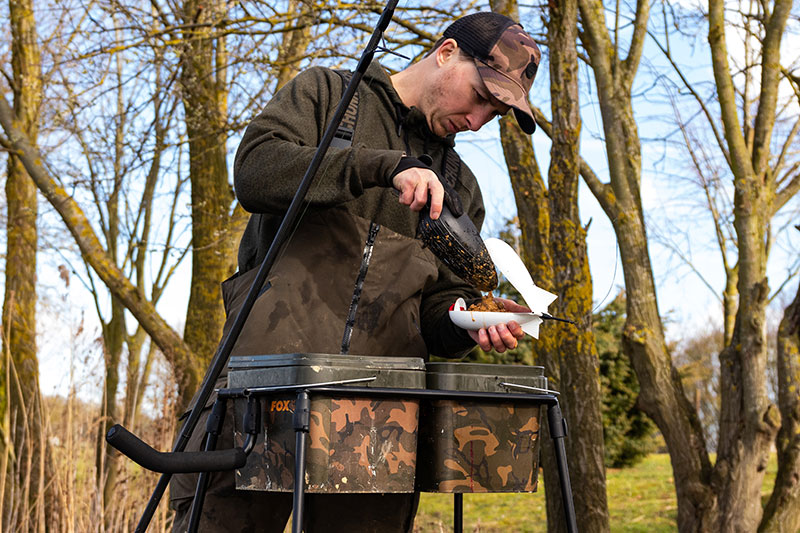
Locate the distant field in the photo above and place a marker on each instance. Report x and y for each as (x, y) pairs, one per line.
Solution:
(640, 499)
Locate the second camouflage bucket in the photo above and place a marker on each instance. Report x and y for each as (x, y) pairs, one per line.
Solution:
(479, 446)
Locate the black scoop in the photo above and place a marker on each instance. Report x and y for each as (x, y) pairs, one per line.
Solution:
(457, 244)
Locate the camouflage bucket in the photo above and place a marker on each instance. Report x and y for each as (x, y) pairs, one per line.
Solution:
(355, 444)
(473, 446)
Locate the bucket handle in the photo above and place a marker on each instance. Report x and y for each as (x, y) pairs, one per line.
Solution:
(528, 388)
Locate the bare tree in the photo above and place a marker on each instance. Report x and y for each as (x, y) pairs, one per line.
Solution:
(661, 394)
(748, 421)
(724, 497)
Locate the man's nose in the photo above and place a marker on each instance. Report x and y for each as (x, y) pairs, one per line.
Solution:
(478, 117)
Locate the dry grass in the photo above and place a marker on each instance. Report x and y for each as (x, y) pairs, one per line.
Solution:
(69, 498)
(76, 472)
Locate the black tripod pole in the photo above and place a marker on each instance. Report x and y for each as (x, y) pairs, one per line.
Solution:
(213, 429)
(289, 220)
(558, 430)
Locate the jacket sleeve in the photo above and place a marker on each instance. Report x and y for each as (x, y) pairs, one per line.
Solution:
(442, 337)
(279, 144)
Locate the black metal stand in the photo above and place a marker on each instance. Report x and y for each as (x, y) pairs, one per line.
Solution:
(555, 420)
(227, 460)
(458, 512)
(302, 419)
(558, 430)
(213, 428)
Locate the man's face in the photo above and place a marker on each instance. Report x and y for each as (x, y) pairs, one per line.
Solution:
(457, 99)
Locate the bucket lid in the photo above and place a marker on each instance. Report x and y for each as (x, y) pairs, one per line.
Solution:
(326, 360)
(482, 369)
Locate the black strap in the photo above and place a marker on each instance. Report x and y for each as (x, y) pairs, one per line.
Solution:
(347, 128)
(452, 166)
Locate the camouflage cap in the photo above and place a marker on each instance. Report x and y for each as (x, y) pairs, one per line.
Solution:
(507, 59)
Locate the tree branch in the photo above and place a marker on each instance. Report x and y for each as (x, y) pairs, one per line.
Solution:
(790, 140)
(768, 97)
(717, 135)
(595, 39)
(601, 191)
(740, 160)
(788, 191)
(631, 63)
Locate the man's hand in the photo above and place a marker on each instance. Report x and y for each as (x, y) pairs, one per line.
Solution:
(415, 184)
(503, 336)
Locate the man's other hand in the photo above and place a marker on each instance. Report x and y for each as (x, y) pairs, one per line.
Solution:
(415, 184)
(503, 336)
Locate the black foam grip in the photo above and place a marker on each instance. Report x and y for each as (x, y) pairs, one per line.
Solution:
(173, 462)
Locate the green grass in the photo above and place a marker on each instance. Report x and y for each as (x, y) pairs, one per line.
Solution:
(640, 499)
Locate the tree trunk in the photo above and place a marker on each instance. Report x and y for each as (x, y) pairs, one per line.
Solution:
(204, 86)
(114, 331)
(136, 376)
(106, 456)
(554, 248)
(19, 344)
(575, 348)
(136, 373)
(295, 42)
(661, 393)
(531, 197)
(27, 507)
(782, 513)
(533, 212)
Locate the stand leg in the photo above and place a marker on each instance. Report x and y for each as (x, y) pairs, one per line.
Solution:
(302, 415)
(458, 512)
(558, 430)
(213, 429)
(152, 504)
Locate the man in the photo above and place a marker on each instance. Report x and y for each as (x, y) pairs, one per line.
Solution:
(403, 140)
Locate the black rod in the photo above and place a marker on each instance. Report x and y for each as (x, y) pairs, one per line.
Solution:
(213, 428)
(287, 224)
(152, 503)
(558, 430)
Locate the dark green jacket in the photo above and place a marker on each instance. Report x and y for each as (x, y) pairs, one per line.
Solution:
(407, 292)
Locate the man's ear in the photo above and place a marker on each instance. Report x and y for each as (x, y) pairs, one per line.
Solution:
(447, 50)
